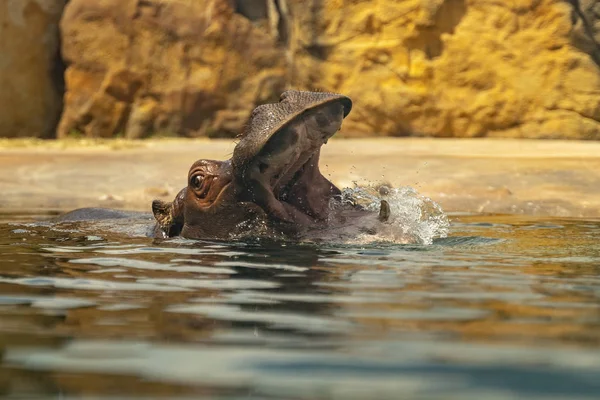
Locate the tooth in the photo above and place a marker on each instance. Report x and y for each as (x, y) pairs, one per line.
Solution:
(384, 211)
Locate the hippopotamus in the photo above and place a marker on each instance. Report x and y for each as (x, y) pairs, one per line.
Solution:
(271, 185)
(272, 181)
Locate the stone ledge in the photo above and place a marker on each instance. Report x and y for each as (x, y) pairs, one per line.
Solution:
(554, 178)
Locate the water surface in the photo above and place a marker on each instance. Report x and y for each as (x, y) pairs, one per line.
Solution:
(504, 307)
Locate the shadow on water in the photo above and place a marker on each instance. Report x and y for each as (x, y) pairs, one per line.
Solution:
(503, 306)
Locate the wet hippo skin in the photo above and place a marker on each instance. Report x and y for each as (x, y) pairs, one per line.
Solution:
(86, 214)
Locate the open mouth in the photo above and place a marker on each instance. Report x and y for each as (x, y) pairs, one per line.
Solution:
(283, 177)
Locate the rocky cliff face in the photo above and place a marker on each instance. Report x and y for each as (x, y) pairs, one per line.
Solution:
(447, 68)
(30, 69)
(137, 67)
(462, 68)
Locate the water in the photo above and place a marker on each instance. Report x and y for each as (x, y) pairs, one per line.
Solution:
(503, 307)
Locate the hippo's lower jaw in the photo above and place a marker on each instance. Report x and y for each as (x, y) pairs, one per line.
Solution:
(302, 200)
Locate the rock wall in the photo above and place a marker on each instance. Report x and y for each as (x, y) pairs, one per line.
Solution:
(460, 68)
(30, 69)
(445, 68)
(140, 67)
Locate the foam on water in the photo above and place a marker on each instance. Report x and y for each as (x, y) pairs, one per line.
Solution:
(413, 218)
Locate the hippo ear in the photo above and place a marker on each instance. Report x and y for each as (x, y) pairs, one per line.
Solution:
(162, 212)
(169, 216)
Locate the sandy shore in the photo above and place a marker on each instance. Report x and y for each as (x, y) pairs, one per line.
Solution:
(557, 178)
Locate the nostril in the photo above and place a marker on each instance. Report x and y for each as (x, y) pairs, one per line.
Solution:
(262, 167)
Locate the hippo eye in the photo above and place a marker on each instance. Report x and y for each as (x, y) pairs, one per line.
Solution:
(196, 181)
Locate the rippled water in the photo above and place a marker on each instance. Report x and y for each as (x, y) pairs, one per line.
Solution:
(504, 307)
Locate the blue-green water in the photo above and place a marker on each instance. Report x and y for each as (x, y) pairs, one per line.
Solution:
(504, 307)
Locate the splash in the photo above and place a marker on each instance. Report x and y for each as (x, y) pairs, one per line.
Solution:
(413, 218)
(353, 220)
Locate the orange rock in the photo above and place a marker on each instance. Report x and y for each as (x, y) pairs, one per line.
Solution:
(444, 68)
(451, 68)
(138, 68)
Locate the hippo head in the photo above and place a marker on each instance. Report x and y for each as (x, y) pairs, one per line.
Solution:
(273, 177)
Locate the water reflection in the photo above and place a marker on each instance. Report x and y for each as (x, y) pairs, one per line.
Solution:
(504, 306)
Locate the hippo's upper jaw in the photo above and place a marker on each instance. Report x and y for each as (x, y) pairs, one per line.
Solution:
(273, 177)
(283, 177)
